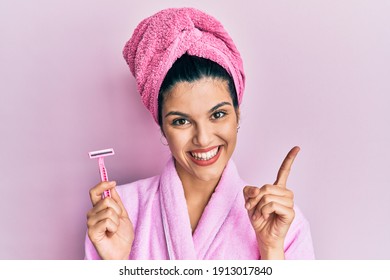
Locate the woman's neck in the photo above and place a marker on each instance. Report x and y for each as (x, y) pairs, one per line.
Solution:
(197, 193)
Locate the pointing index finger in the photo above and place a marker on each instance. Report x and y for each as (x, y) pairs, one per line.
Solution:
(285, 168)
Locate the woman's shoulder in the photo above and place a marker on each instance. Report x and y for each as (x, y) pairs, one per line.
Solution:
(139, 187)
(300, 219)
(138, 195)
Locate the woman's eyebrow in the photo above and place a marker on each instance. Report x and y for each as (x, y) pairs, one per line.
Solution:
(176, 113)
(219, 105)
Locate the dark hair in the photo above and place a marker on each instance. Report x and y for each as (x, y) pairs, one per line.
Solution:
(190, 68)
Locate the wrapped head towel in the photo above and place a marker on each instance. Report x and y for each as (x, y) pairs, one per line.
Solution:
(159, 40)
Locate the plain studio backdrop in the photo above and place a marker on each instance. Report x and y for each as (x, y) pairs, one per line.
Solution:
(318, 76)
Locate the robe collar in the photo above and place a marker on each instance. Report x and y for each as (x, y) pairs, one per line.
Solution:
(180, 241)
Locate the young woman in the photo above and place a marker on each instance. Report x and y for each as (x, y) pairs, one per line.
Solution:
(190, 77)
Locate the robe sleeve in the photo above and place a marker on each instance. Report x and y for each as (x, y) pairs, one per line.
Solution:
(298, 243)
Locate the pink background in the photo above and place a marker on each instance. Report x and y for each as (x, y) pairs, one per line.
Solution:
(318, 76)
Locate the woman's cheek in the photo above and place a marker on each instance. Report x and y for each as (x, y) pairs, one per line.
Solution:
(229, 131)
(177, 141)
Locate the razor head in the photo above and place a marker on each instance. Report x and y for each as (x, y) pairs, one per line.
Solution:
(101, 153)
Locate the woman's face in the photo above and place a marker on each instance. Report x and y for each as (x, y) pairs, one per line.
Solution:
(200, 124)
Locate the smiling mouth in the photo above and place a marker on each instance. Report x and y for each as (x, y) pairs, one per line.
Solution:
(206, 155)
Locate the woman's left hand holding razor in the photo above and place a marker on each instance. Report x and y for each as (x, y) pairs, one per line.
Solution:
(109, 226)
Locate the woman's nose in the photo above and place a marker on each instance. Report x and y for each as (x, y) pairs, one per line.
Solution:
(202, 136)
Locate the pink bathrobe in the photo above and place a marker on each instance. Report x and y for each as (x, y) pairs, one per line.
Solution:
(158, 211)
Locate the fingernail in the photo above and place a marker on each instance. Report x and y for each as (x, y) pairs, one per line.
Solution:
(247, 205)
(254, 217)
(112, 183)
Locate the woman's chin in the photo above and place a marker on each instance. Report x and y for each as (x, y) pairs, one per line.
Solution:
(200, 171)
(209, 173)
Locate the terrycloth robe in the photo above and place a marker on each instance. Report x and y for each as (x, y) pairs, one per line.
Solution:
(162, 229)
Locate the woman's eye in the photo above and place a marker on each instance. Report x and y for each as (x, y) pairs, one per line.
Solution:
(218, 115)
(179, 122)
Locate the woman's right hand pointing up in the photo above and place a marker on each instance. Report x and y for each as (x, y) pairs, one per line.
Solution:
(271, 210)
(109, 226)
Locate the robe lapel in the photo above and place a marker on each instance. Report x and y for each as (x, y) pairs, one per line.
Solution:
(217, 210)
(174, 212)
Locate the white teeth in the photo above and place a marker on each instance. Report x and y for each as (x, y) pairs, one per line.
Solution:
(205, 156)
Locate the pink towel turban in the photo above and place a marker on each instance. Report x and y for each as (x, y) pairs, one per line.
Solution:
(159, 40)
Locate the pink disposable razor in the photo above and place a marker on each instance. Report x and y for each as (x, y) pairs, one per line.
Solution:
(102, 168)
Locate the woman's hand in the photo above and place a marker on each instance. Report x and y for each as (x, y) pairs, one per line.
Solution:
(109, 226)
(270, 210)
